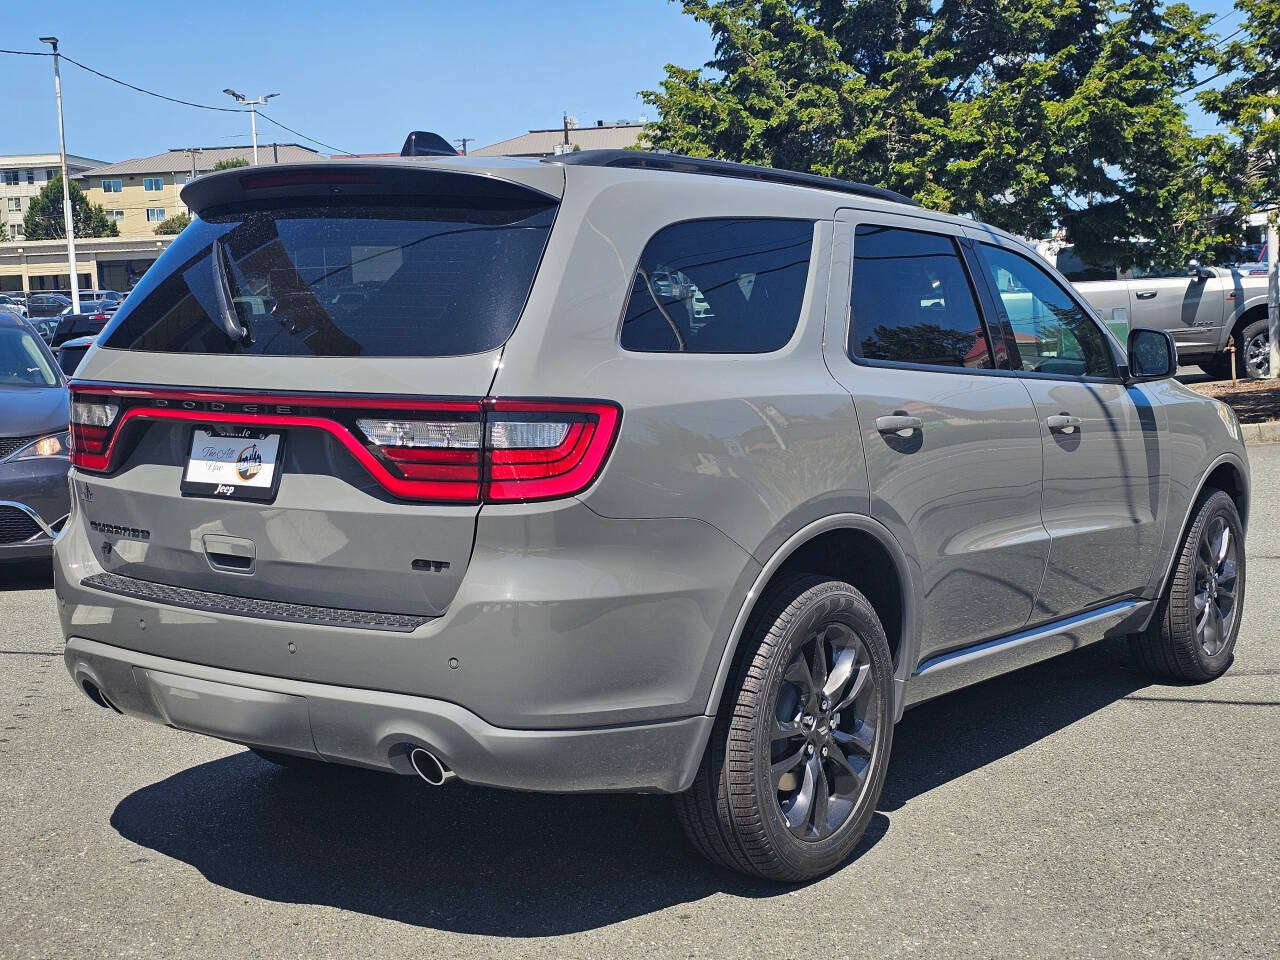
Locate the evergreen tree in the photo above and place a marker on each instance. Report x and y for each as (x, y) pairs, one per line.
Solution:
(45, 221)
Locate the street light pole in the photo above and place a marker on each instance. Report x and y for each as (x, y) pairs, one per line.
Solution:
(253, 105)
(67, 218)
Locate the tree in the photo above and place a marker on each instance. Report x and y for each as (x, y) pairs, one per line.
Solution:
(175, 224)
(4, 233)
(1249, 157)
(230, 163)
(45, 221)
(1031, 115)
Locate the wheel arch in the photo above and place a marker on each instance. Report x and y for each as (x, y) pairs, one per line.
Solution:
(1226, 473)
(1247, 314)
(850, 547)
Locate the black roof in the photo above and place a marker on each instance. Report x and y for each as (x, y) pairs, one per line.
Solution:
(677, 163)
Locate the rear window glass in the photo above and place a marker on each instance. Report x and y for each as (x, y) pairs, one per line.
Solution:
(719, 286)
(341, 281)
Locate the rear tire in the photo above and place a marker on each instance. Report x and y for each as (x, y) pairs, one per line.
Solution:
(797, 757)
(1193, 634)
(1253, 345)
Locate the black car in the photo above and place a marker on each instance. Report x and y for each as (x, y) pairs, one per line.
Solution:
(34, 411)
(72, 352)
(46, 304)
(93, 316)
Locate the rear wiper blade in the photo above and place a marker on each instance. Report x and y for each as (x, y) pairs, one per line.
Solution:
(226, 318)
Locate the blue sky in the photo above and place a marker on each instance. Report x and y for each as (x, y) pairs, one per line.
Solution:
(358, 76)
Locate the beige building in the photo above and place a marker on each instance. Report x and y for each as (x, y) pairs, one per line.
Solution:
(22, 176)
(563, 139)
(140, 194)
(103, 263)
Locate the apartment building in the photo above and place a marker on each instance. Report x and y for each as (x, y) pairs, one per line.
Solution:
(23, 175)
(142, 193)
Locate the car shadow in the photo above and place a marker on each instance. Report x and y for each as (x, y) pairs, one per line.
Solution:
(490, 862)
(26, 575)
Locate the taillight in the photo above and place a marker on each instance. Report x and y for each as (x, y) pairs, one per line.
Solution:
(441, 456)
(91, 429)
(543, 450)
(97, 316)
(450, 451)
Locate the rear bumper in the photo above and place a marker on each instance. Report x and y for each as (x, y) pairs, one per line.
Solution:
(375, 729)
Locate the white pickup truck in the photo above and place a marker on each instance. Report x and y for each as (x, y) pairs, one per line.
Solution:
(1205, 308)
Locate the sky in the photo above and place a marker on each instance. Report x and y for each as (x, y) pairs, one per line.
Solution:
(484, 69)
(359, 76)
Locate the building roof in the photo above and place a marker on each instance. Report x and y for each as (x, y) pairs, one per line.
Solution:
(46, 160)
(542, 143)
(179, 161)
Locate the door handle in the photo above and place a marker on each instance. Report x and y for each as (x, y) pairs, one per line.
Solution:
(898, 424)
(1063, 423)
(1145, 294)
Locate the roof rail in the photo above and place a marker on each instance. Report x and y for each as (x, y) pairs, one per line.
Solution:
(677, 163)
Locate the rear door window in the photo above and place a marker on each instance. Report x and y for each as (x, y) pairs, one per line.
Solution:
(341, 281)
(912, 301)
(719, 286)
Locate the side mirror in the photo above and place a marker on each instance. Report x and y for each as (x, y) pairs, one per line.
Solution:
(1194, 269)
(1152, 355)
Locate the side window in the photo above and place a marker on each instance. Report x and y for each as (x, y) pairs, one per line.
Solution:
(1051, 333)
(912, 301)
(719, 286)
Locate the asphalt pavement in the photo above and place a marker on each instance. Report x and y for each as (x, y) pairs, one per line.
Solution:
(1071, 809)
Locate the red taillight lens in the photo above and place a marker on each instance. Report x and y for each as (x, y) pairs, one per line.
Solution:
(92, 424)
(544, 450)
(448, 451)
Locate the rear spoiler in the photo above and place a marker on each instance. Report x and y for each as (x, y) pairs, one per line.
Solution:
(348, 178)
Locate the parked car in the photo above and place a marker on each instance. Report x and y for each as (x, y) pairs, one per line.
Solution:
(34, 501)
(72, 352)
(14, 303)
(112, 295)
(1206, 309)
(93, 316)
(537, 528)
(40, 305)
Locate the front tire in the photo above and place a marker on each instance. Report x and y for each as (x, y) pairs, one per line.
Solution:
(1253, 350)
(1193, 634)
(797, 758)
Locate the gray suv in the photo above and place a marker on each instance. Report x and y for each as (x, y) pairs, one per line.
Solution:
(622, 472)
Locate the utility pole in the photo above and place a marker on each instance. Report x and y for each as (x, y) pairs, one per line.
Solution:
(1273, 278)
(191, 152)
(463, 141)
(253, 105)
(68, 219)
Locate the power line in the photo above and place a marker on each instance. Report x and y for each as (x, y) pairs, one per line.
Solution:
(296, 133)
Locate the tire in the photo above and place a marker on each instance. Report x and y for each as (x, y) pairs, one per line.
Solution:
(1191, 638)
(1252, 336)
(736, 813)
(1219, 368)
(288, 761)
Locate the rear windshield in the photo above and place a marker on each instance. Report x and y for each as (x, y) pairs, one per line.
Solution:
(340, 281)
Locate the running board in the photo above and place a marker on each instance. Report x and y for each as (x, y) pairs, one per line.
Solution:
(968, 665)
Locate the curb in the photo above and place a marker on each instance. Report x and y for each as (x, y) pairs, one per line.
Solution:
(1266, 432)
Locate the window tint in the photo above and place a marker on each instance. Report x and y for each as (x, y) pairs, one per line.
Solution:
(912, 301)
(719, 286)
(1051, 333)
(342, 281)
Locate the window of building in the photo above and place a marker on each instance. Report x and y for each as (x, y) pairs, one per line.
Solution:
(15, 204)
(115, 216)
(719, 286)
(9, 177)
(912, 301)
(155, 214)
(50, 174)
(15, 230)
(112, 186)
(1051, 332)
(31, 176)
(152, 183)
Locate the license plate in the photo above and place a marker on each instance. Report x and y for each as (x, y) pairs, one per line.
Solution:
(238, 464)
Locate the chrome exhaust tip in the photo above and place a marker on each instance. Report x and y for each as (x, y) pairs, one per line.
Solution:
(429, 767)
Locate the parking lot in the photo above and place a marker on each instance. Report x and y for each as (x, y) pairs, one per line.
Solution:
(1071, 809)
